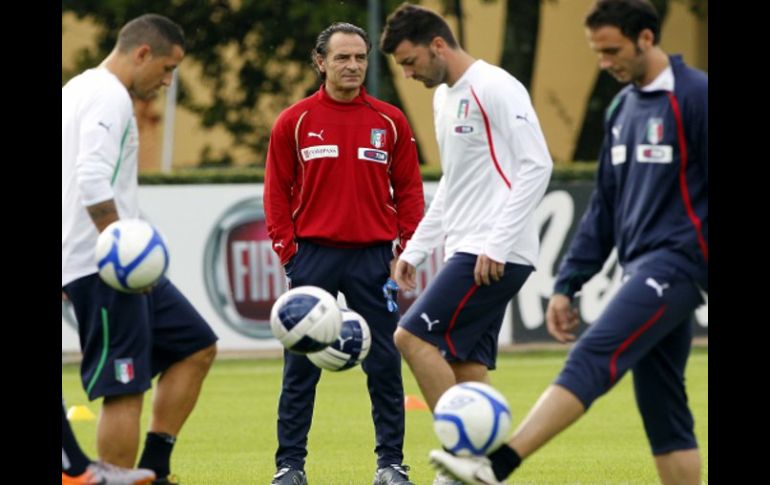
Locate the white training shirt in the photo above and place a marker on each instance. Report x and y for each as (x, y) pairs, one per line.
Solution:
(99, 158)
(496, 167)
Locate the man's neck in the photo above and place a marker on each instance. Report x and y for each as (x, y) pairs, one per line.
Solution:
(657, 62)
(458, 61)
(343, 96)
(118, 66)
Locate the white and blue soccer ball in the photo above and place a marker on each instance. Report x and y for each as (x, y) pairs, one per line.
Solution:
(350, 348)
(306, 319)
(472, 419)
(131, 255)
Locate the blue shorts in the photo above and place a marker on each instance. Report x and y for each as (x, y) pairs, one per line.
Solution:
(645, 328)
(128, 338)
(461, 318)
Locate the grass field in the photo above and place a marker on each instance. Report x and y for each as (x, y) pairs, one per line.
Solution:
(230, 437)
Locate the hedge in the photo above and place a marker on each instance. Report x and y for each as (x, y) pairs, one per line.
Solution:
(250, 175)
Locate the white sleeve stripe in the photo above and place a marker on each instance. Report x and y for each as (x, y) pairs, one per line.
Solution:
(302, 165)
(392, 124)
(296, 133)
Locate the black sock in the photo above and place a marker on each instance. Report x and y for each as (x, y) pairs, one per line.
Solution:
(73, 460)
(157, 453)
(504, 461)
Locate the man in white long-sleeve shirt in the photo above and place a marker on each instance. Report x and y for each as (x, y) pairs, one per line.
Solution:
(496, 168)
(126, 339)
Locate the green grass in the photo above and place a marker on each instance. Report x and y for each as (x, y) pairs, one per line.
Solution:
(230, 437)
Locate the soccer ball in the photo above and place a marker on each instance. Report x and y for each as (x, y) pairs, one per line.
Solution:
(472, 418)
(306, 319)
(131, 255)
(350, 348)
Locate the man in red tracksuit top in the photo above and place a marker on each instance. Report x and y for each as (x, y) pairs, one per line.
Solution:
(342, 185)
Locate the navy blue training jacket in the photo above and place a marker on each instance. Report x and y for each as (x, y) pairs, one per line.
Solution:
(651, 195)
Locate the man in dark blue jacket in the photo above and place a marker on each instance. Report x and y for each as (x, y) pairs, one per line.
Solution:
(651, 203)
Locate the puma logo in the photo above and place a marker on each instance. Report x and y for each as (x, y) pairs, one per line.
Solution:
(656, 286)
(616, 131)
(427, 319)
(319, 135)
(342, 341)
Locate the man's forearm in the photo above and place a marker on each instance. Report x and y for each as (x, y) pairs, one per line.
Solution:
(103, 214)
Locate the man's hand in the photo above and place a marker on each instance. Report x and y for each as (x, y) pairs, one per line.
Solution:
(487, 270)
(405, 275)
(561, 318)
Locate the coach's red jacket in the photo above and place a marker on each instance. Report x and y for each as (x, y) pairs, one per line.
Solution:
(341, 174)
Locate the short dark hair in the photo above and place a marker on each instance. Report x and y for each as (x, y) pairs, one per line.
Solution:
(157, 31)
(630, 16)
(322, 41)
(418, 25)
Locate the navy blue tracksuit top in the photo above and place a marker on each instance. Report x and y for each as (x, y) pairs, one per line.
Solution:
(651, 195)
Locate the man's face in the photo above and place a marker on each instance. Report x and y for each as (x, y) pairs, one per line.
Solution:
(623, 58)
(154, 71)
(345, 62)
(421, 63)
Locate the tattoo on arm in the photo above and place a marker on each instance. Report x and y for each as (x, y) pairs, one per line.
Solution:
(103, 214)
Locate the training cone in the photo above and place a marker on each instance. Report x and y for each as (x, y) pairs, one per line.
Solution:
(412, 403)
(80, 413)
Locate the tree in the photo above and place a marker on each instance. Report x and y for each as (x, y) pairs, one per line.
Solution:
(522, 23)
(245, 50)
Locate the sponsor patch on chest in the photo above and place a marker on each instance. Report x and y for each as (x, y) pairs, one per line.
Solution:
(654, 153)
(372, 155)
(320, 151)
(618, 154)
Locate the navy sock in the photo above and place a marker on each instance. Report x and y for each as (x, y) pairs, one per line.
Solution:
(504, 461)
(157, 453)
(73, 460)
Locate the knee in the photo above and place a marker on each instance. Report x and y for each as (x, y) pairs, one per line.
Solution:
(130, 404)
(204, 357)
(404, 341)
(679, 466)
(587, 375)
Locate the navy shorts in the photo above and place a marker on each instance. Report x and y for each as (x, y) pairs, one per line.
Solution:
(127, 338)
(461, 318)
(646, 328)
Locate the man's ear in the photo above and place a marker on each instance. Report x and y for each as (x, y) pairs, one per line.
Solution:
(438, 42)
(319, 62)
(646, 39)
(141, 53)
